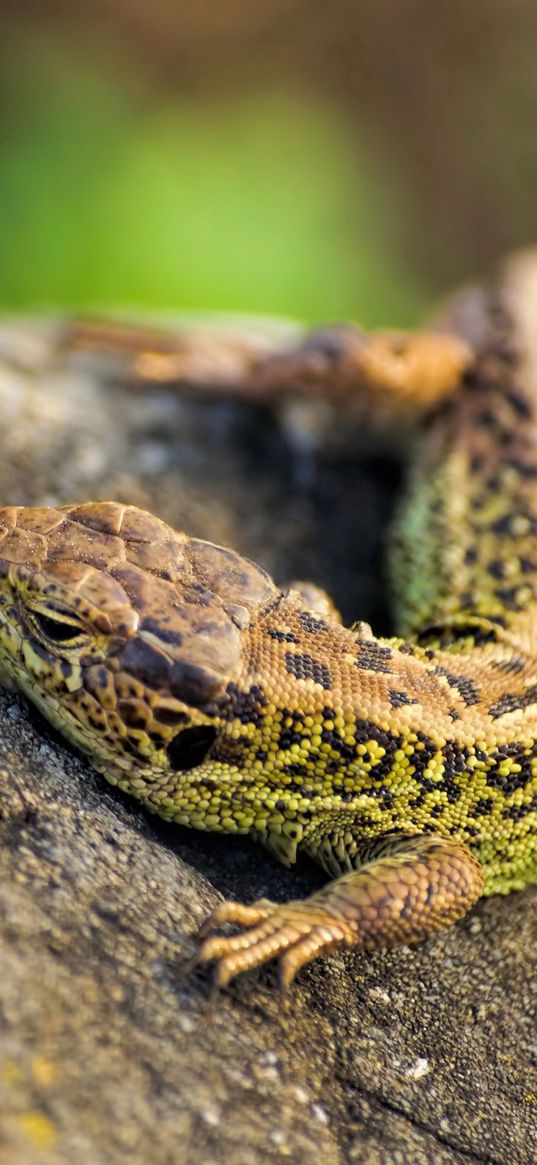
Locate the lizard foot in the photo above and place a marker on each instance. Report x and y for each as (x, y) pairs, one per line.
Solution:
(294, 932)
(409, 889)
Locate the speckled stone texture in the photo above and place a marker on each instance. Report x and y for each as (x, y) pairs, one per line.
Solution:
(108, 1052)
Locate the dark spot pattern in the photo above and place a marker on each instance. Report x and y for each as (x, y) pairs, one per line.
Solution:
(513, 598)
(517, 402)
(518, 812)
(512, 666)
(133, 713)
(311, 623)
(463, 684)
(516, 779)
(506, 526)
(374, 657)
(483, 807)
(247, 707)
(303, 666)
(290, 731)
(399, 699)
(496, 568)
(164, 714)
(282, 636)
(512, 702)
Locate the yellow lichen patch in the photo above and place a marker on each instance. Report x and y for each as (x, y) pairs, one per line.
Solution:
(10, 1072)
(37, 1128)
(43, 1071)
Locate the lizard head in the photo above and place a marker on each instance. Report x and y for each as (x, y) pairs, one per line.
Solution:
(126, 634)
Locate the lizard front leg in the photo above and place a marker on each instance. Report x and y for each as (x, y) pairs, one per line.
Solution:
(414, 888)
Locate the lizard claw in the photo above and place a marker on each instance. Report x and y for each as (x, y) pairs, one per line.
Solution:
(294, 932)
(236, 912)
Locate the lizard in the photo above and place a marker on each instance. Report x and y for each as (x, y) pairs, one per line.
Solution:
(405, 765)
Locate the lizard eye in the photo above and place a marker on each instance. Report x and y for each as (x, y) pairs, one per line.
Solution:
(58, 630)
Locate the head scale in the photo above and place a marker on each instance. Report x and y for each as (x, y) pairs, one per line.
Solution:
(123, 631)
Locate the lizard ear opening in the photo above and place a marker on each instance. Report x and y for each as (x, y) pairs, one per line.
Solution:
(189, 748)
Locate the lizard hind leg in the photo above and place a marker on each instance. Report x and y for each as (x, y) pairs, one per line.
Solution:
(415, 887)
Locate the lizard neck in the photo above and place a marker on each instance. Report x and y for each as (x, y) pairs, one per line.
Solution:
(328, 726)
(328, 709)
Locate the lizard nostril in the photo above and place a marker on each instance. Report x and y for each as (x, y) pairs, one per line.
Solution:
(190, 747)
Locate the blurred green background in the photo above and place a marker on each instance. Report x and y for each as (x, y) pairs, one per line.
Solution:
(321, 161)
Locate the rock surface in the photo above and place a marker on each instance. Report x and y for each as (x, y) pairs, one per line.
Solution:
(108, 1052)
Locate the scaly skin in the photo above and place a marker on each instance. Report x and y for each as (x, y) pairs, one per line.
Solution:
(406, 766)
